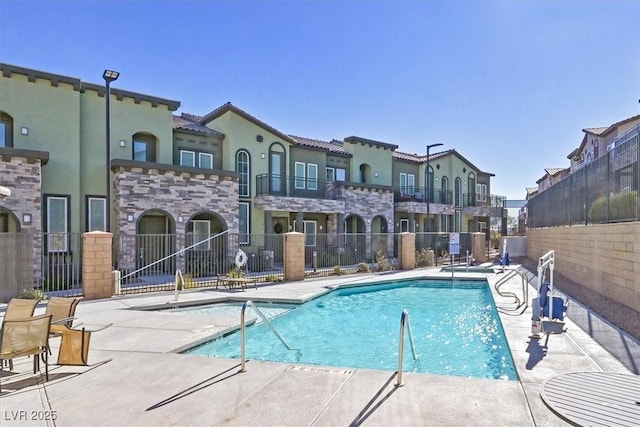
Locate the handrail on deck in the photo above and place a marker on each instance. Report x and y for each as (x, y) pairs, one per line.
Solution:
(242, 332)
(404, 319)
(525, 287)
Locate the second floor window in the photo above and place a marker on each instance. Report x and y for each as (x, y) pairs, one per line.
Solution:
(196, 159)
(306, 176)
(407, 184)
(242, 167)
(481, 192)
(144, 148)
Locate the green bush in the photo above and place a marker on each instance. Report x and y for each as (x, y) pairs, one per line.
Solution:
(621, 206)
(338, 271)
(33, 294)
(363, 267)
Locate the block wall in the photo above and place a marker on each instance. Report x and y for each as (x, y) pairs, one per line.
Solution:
(604, 258)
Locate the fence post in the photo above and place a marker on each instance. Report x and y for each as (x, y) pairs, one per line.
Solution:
(96, 265)
(294, 256)
(407, 250)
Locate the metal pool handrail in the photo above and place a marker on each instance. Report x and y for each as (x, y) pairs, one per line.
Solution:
(404, 319)
(242, 332)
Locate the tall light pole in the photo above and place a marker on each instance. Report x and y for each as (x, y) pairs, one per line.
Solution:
(429, 190)
(108, 76)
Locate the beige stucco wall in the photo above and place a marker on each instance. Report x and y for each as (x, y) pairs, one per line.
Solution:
(604, 258)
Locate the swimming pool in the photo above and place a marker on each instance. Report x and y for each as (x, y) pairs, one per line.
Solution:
(456, 331)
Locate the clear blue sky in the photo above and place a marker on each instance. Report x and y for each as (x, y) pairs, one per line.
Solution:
(509, 84)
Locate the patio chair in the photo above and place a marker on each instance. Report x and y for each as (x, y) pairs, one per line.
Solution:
(62, 311)
(26, 337)
(19, 308)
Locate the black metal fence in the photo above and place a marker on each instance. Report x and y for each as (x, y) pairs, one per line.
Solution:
(601, 191)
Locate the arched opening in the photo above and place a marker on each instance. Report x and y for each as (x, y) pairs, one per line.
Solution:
(6, 130)
(206, 254)
(458, 192)
(379, 236)
(445, 197)
(471, 189)
(155, 240)
(366, 174)
(144, 147)
(9, 222)
(355, 239)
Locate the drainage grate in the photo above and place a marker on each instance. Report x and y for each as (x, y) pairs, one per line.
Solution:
(322, 369)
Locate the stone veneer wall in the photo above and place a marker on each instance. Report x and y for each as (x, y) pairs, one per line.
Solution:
(24, 177)
(602, 257)
(178, 193)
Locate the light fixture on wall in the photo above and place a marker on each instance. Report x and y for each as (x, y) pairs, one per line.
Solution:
(130, 218)
(259, 138)
(123, 143)
(263, 156)
(26, 218)
(24, 130)
(375, 174)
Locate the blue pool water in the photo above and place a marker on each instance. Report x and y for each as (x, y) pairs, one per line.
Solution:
(456, 331)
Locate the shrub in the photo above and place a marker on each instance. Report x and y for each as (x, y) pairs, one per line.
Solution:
(621, 206)
(33, 294)
(363, 267)
(382, 262)
(425, 258)
(338, 271)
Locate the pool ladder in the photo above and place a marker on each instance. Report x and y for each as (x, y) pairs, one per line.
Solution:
(404, 319)
(524, 277)
(242, 332)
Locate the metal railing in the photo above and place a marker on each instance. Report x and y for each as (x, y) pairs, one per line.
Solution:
(525, 279)
(404, 319)
(243, 359)
(292, 186)
(604, 190)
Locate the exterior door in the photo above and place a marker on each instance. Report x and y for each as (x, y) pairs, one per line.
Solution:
(277, 184)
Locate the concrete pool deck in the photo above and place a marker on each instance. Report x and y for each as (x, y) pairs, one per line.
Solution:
(136, 378)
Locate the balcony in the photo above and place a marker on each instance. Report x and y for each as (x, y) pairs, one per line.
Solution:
(287, 186)
(419, 194)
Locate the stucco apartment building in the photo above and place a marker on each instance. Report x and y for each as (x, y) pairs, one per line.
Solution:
(191, 175)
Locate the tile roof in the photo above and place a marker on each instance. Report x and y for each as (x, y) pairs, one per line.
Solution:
(595, 131)
(554, 171)
(358, 139)
(187, 123)
(421, 158)
(331, 146)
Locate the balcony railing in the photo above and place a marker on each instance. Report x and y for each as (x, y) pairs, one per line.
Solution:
(288, 186)
(419, 194)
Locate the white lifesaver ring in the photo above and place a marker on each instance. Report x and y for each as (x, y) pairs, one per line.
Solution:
(241, 258)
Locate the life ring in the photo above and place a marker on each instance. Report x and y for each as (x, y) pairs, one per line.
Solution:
(241, 258)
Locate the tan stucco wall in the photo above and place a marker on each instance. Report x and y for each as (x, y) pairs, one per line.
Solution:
(604, 258)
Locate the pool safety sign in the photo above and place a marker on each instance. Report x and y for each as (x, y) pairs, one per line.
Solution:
(454, 243)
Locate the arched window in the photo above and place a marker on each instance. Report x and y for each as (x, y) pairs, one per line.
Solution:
(471, 188)
(243, 167)
(444, 191)
(144, 147)
(458, 192)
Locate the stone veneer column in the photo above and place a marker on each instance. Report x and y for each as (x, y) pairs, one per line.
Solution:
(407, 251)
(294, 256)
(96, 264)
(478, 247)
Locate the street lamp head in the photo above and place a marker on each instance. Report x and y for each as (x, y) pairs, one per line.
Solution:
(110, 75)
(438, 144)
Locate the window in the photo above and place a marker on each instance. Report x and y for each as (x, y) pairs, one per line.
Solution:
(242, 167)
(57, 222)
(444, 185)
(312, 176)
(6, 130)
(205, 160)
(96, 214)
(4, 222)
(458, 195)
(404, 225)
(144, 148)
(407, 184)
(444, 223)
(300, 175)
(201, 233)
(187, 158)
(331, 174)
(481, 192)
(341, 174)
(457, 221)
(243, 226)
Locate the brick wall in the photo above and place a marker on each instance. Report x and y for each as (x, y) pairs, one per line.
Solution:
(604, 258)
